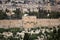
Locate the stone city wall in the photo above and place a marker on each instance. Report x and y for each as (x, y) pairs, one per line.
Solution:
(10, 23)
(19, 23)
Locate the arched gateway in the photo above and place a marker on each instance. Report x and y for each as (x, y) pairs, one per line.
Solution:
(29, 21)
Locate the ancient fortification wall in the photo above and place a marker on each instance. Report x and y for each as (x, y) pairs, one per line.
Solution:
(10, 23)
(18, 23)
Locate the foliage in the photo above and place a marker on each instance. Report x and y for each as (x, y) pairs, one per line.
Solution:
(18, 13)
(51, 35)
(14, 30)
(2, 30)
(33, 37)
(3, 15)
(54, 14)
(40, 14)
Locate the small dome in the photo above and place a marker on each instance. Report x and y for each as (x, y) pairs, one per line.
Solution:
(25, 14)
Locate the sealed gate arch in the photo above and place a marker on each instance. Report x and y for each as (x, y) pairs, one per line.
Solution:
(29, 21)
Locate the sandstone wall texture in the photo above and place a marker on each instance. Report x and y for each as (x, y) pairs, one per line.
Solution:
(48, 22)
(21, 23)
(10, 23)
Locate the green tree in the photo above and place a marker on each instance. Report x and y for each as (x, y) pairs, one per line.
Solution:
(54, 14)
(40, 13)
(18, 14)
(3, 15)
